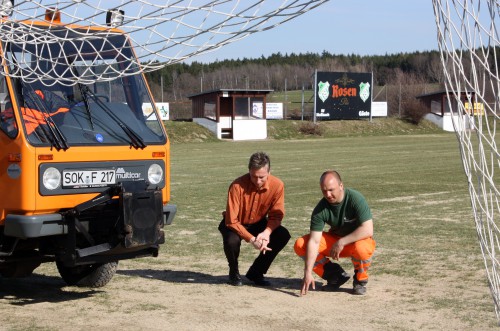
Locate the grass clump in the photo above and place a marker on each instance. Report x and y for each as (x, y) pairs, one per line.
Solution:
(310, 128)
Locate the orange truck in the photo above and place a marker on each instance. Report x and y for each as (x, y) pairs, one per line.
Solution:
(84, 166)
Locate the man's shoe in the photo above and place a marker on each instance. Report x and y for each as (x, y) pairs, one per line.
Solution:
(258, 280)
(235, 279)
(359, 289)
(334, 286)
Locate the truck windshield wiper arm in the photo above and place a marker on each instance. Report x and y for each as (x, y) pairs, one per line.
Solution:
(83, 92)
(135, 140)
(51, 130)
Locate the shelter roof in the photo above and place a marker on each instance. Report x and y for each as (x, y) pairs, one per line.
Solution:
(232, 91)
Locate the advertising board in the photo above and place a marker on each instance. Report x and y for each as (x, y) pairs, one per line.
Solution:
(343, 95)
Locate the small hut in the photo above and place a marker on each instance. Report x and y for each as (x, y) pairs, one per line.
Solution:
(237, 114)
(440, 112)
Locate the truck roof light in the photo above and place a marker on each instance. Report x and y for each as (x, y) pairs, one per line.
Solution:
(6, 8)
(114, 17)
(53, 15)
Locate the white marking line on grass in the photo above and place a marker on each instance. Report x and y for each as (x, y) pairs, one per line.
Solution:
(412, 197)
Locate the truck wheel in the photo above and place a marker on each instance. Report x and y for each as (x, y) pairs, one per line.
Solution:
(89, 275)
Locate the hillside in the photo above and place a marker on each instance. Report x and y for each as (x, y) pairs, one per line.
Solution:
(184, 132)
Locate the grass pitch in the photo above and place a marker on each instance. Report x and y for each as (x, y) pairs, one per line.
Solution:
(414, 184)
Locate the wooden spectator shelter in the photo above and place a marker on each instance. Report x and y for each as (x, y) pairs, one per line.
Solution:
(439, 107)
(237, 114)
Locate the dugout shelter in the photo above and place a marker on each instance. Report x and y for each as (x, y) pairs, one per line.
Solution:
(439, 106)
(237, 114)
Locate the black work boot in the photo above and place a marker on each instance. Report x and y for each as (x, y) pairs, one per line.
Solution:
(335, 276)
(358, 287)
(257, 278)
(234, 277)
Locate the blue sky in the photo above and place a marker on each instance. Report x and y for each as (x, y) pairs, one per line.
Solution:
(364, 27)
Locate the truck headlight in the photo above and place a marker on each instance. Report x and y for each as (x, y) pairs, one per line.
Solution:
(51, 178)
(155, 174)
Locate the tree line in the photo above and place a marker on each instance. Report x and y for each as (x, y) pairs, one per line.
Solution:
(402, 75)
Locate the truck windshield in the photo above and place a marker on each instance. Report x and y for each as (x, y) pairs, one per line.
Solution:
(105, 111)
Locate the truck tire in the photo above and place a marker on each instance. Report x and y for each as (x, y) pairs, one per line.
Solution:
(89, 275)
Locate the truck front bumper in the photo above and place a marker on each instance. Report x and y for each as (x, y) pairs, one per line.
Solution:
(24, 227)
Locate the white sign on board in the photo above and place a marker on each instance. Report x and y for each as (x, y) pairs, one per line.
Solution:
(163, 109)
(274, 110)
(379, 109)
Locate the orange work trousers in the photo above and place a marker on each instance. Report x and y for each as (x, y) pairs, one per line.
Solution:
(360, 252)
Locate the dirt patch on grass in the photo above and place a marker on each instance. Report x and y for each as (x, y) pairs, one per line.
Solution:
(161, 294)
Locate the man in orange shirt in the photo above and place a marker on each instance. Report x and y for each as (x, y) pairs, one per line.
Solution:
(39, 106)
(254, 211)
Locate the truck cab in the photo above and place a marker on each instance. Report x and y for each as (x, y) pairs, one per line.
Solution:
(84, 156)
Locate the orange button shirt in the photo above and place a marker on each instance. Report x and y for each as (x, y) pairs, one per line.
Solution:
(246, 204)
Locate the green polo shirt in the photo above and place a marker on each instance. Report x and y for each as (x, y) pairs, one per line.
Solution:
(344, 217)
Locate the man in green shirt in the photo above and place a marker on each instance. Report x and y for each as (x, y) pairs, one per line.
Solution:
(351, 230)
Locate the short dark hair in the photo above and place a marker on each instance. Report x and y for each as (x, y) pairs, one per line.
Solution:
(330, 172)
(259, 160)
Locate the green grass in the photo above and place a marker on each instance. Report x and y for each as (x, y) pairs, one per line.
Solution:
(186, 132)
(411, 175)
(414, 183)
(294, 96)
(181, 132)
(332, 129)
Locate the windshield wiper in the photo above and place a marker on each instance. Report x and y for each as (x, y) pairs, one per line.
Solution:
(51, 130)
(135, 140)
(81, 87)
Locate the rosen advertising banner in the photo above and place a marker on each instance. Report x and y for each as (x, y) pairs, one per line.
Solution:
(343, 95)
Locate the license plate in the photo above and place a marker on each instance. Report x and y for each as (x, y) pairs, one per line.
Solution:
(88, 178)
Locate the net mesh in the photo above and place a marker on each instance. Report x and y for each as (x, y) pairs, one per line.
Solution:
(469, 44)
(161, 32)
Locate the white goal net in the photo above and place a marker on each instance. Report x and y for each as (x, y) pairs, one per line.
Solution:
(161, 32)
(468, 39)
